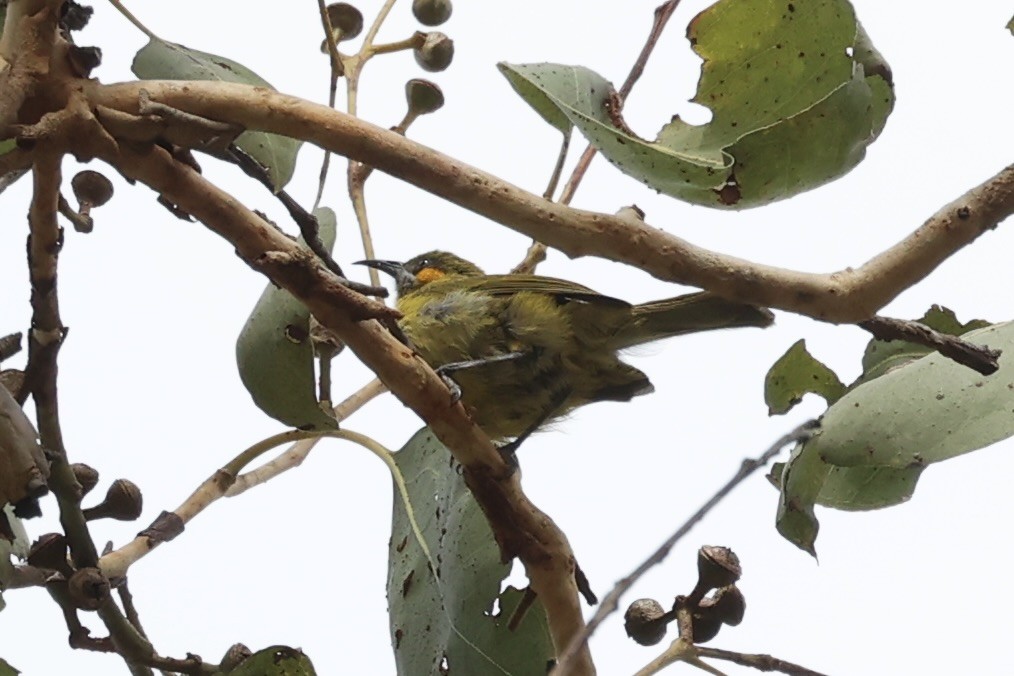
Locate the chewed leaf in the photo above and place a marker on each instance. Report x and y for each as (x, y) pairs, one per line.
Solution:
(797, 92)
(277, 660)
(878, 438)
(275, 353)
(163, 60)
(537, 98)
(446, 610)
(796, 373)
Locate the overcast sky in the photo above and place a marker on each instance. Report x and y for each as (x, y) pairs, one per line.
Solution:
(149, 389)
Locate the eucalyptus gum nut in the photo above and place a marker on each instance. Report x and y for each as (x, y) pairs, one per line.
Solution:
(436, 52)
(423, 96)
(346, 20)
(432, 12)
(641, 621)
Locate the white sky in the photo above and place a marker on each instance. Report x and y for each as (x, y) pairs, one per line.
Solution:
(149, 389)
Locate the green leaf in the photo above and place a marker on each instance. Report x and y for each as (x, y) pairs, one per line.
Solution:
(5, 668)
(163, 60)
(878, 438)
(797, 373)
(446, 611)
(796, 90)
(881, 356)
(9, 144)
(275, 354)
(277, 660)
(536, 97)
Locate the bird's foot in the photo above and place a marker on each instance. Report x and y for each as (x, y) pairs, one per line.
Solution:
(452, 386)
(509, 453)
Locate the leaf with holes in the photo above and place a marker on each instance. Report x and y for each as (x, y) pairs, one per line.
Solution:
(275, 354)
(796, 373)
(277, 660)
(163, 60)
(446, 610)
(797, 92)
(878, 438)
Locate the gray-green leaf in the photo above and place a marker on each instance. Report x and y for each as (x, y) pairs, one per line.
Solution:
(879, 437)
(275, 354)
(796, 90)
(277, 660)
(164, 60)
(796, 373)
(446, 610)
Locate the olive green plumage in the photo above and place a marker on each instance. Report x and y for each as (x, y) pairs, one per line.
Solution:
(568, 336)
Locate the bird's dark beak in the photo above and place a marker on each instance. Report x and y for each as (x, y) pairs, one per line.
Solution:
(403, 279)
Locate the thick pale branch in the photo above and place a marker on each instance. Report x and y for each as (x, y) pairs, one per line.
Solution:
(847, 296)
(521, 529)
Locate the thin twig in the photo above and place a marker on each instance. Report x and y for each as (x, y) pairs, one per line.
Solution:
(537, 251)
(979, 358)
(611, 602)
(309, 228)
(294, 456)
(44, 343)
(223, 482)
(337, 70)
(354, 179)
(759, 662)
(132, 19)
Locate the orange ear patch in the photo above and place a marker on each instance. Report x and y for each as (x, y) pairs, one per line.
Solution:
(427, 275)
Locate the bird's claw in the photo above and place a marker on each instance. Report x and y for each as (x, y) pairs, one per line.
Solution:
(452, 386)
(509, 453)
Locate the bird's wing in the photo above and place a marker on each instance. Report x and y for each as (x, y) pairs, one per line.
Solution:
(505, 285)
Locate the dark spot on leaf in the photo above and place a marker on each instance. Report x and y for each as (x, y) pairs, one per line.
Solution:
(792, 8)
(729, 194)
(296, 334)
(398, 633)
(401, 545)
(407, 583)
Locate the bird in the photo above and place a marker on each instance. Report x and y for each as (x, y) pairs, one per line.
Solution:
(524, 350)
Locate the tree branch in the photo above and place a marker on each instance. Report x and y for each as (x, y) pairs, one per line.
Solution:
(520, 528)
(847, 296)
(979, 358)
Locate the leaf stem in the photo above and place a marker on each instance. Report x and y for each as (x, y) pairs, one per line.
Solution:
(133, 19)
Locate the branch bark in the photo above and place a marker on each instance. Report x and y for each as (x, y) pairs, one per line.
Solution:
(521, 529)
(847, 296)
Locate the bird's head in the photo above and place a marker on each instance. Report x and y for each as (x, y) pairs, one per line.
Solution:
(423, 269)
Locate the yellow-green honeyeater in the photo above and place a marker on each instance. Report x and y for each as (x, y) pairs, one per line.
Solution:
(526, 349)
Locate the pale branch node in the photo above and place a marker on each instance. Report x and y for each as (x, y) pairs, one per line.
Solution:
(521, 529)
(610, 603)
(979, 358)
(848, 296)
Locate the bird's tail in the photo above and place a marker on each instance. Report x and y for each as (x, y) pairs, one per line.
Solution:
(687, 314)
